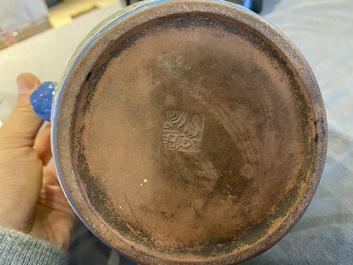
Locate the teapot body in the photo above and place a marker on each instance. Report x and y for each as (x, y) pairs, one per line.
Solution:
(187, 132)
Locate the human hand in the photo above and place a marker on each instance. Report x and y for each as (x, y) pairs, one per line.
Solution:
(31, 199)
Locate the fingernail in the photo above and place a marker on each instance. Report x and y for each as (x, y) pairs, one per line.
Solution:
(25, 83)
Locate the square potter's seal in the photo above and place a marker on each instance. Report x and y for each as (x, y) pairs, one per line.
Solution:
(182, 131)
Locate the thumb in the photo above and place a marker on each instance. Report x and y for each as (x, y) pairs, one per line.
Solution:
(22, 126)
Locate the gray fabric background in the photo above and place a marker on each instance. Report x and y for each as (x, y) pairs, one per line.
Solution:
(323, 31)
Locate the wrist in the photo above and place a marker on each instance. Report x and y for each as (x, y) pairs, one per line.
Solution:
(18, 226)
(17, 248)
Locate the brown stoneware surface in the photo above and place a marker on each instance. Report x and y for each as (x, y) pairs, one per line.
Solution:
(191, 134)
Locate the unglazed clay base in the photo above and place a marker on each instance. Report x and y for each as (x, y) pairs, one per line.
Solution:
(190, 132)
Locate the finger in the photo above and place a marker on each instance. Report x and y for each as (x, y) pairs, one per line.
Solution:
(52, 168)
(22, 125)
(49, 175)
(42, 145)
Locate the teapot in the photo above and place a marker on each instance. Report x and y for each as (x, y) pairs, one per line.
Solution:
(187, 132)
